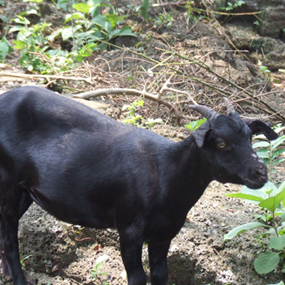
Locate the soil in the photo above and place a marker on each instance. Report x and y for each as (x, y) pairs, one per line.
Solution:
(53, 252)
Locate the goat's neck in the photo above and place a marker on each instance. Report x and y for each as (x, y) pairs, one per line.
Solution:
(189, 174)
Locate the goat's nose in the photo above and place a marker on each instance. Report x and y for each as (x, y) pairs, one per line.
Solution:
(262, 170)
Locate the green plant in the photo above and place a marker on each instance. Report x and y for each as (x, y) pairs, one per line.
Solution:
(270, 151)
(132, 117)
(271, 201)
(23, 259)
(194, 125)
(5, 48)
(143, 8)
(265, 71)
(95, 271)
(150, 122)
(88, 27)
(136, 119)
(231, 6)
(256, 23)
(163, 19)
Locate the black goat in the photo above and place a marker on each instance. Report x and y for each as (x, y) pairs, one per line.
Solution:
(87, 169)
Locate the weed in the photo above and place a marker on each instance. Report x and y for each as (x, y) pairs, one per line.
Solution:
(271, 201)
(98, 264)
(23, 259)
(86, 31)
(132, 117)
(136, 119)
(265, 71)
(270, 151)
(5, 48)
(231, 6)
(194, 125)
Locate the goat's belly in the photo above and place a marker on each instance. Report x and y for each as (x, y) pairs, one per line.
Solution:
(75, 211)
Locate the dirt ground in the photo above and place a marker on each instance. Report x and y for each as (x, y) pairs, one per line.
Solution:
(53, 252)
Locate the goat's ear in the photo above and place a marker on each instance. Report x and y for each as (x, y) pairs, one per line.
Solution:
(202, 134)
(258, 126)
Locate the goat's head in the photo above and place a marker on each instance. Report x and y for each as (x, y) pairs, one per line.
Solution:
(226, 143)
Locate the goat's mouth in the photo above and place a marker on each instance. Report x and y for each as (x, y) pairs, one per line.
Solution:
(255, 184)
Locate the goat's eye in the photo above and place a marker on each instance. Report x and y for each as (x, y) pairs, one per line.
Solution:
(221, 144)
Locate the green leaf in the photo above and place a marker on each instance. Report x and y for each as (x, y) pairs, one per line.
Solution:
(19, 44)
(4, 19)
(261, 144)
(266, 262)
(242, 228)
(278, 152)
(4, 49)
(263, 153)
(81, 7)
(277, 243)
(4, 40)
(277, 142)
(97, 2)
(103, 22)
(277, 161)
(74, 16)
(126, 31)
(245, 196)
(67, 33)
(144, 8)
(192, 126)
(114, 19)
(280, 283)
(273, 202)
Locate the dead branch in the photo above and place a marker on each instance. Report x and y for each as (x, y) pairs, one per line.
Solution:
(126, 91)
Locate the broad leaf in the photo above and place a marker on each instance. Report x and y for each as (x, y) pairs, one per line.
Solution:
(263, 153)
(81, 7)
(280, 283)
(4, 40)
(74, 16)
(278, 152)
(114, 19)
(126, 31)
(277, 243)
(103, 22)
(4, 49)
(242, 228)
(245, 196)
(19, 44)
(144, 8)
(195, 124)
(266, 262)
(261, 144)
(277, 142)
(273, 202)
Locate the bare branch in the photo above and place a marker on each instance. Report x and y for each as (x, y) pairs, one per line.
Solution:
(126, 91)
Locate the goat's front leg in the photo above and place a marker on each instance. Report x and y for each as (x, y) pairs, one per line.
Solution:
(158, 263)
(131, 250)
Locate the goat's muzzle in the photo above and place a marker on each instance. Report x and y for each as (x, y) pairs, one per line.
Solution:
(257, 176)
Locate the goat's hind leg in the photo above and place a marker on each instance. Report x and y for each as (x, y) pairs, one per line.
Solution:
(11, 211)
